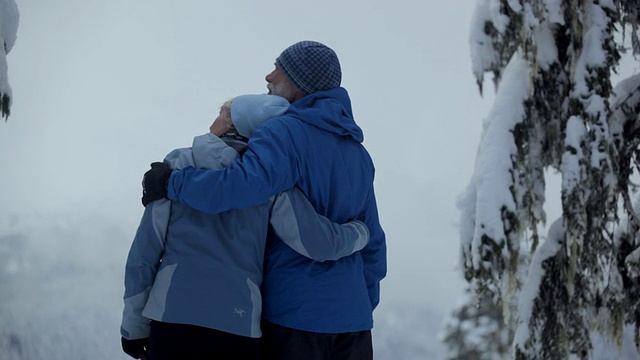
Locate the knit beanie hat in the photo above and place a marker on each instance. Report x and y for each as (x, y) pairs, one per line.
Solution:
(311, 66)
(250, 111)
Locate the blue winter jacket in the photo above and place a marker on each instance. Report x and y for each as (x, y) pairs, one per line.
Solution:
(190, 267)
(315, 146)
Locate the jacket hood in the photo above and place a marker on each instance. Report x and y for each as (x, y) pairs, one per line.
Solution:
(319, 109)
(250, 111)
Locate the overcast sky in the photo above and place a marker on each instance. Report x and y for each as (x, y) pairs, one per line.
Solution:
(103, 88)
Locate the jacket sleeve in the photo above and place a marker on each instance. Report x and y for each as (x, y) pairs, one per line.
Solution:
(142, 266)
(296, 222)
(374, 255)
(268, 167)
(211, 152)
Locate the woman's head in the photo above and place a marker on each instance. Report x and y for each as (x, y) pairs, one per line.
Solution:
(243, 114)
(223, 124)
(250, 111)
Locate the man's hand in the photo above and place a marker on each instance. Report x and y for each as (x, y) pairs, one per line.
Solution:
(137, 348)
(155, 182)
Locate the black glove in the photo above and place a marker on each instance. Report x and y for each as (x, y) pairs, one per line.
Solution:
(136, 348)
(155, 182)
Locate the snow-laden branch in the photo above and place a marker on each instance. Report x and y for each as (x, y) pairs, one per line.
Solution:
(530, 317)
(489, 198)
(9, 19)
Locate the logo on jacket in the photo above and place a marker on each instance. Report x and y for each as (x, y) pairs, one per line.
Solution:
(239, 312)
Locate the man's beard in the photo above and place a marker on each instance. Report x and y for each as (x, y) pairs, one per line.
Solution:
(282, 90)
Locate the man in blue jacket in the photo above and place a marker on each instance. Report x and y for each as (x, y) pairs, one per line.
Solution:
(311, 310)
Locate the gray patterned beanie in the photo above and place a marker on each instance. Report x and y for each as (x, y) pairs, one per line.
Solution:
(311, 66)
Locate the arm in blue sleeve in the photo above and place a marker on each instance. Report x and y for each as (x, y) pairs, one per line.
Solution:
(374, 255)
(268, 167)
(296, 222)
(142, 266)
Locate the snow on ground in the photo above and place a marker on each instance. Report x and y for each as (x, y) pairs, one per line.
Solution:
(61, 293)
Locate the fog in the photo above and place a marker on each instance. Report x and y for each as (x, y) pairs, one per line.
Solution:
(101, 89)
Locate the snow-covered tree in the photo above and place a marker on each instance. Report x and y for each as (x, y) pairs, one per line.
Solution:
(9, 18)
(475, 330)
(555, 109)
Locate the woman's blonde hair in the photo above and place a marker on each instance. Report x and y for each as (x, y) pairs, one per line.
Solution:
(226, 108)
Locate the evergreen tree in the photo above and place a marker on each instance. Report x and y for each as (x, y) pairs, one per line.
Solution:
(475, 330)
(555, 108)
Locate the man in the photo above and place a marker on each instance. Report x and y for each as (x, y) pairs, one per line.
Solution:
(311, 310)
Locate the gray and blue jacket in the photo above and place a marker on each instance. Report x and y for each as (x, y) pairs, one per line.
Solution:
(189, 267)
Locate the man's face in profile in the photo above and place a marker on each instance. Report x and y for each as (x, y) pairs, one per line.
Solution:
(279, 84)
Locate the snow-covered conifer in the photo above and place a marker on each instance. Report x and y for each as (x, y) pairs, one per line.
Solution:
(9, 18)
(475, 330)
(555, 109)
